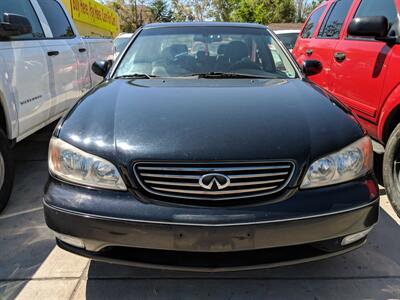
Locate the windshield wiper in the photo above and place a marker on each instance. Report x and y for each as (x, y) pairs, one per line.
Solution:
(230, 75)
(137, 76)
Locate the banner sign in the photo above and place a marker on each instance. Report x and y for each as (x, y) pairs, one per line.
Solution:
(93, 13)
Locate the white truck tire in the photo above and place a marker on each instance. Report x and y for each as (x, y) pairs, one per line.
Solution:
(6, 170)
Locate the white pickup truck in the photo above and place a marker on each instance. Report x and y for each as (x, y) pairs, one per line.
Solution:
(44, 68)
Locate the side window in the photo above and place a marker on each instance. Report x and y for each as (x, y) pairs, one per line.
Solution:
(23, 8)
(369, 8)
(309, 29)
(334, 20)
(58, 22)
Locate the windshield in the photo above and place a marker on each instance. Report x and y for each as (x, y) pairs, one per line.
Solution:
(120, 44)
(185, 51)
(288, 39)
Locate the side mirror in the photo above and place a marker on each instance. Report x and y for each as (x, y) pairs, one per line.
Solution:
(14, 25)
(101, 67)
(376, 27)
(312, 67)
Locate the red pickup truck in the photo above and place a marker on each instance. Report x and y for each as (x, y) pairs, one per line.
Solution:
(351, 48)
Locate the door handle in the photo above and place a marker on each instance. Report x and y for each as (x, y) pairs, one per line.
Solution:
(81, 50)
(339, 56)
(309, 52)
(53, 53)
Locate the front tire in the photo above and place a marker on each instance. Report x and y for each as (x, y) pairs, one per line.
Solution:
(6, 170)
(391, 169)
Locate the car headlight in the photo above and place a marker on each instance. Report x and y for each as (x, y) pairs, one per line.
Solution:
(349, 163)
(74, 165)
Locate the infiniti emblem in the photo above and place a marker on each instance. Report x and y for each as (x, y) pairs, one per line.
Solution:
(214, 181)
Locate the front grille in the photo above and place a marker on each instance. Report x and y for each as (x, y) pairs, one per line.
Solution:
(214, 181)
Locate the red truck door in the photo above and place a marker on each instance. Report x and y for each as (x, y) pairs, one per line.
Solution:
(360, 64)
(322, 46)
(327, 39)
(306, 45)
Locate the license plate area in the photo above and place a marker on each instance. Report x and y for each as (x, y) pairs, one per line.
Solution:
(214, 239)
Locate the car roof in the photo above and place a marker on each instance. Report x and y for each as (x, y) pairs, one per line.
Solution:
(203, 24)
(287, 31)
(125, 35)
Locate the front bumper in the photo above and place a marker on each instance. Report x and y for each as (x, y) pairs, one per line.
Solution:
(116, 227)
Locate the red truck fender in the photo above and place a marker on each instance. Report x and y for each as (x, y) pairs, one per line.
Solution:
(389, 115)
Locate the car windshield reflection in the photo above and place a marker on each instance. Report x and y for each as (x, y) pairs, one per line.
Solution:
(178, 52)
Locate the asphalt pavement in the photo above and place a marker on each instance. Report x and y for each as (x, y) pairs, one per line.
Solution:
(33, 267)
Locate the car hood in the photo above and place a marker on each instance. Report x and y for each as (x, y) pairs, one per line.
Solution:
(207, 120)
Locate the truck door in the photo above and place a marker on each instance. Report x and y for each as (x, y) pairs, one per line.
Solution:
(82, 51)
(61, 58)
(325, 41)
(24, 69)
(360, 64)
(304, 48)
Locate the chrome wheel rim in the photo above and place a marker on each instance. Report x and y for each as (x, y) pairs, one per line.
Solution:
(2, 171)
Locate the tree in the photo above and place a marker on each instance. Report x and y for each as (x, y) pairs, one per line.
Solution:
(304, 8)
(190, 10)
(160, 11)
(181, 12)
(284, 12)
(310, 7)
(259, 11)
(299, 4)
(265, 11)
(246, 11)
(200, 8)
(221, 10)
(143, 12)
(126, 10)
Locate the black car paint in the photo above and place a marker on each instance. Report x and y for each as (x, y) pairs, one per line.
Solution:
(295, 204)
(205, 120)
(315, 218)
(209, 120)
(215, 261)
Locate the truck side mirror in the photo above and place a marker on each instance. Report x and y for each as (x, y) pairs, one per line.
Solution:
(376, 27)
(14, 25)
(101, 67)
(312, 67)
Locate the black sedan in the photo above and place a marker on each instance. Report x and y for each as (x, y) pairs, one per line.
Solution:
(206, 148)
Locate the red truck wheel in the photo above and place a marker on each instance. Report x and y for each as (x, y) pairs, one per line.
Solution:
(6, 170)
(391, 169)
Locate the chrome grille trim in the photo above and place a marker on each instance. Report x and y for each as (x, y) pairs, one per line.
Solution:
(214, 193)
(258, 175)
(170, 176)
(256, 182)
(182, 179)
(197, 185)
(213, 169)
(172, 183)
